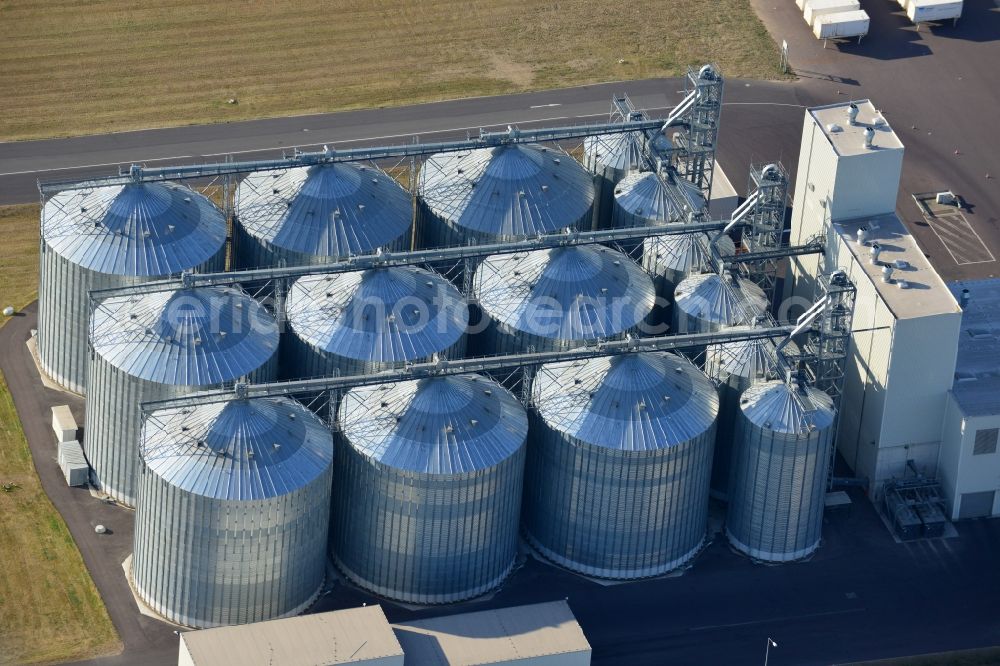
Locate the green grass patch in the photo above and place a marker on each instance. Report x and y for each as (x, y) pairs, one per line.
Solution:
(50, 610)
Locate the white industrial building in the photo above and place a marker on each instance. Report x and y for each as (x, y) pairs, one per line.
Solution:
(970, 462)
(906, 322)
(903, 412)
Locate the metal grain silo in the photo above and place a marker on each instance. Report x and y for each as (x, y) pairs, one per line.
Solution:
(705, 302)
(367, 321)
(319, 214)
(735, 366)
(503, 193)
(648, 199)
(161, 345)
(672, 258)
(559, 298)
(619, 460)
(427, 487)
(781, 457)
(233, 511)
(110, 237)
(611, 157)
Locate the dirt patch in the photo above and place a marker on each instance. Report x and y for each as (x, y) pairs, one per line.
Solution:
(504, 68)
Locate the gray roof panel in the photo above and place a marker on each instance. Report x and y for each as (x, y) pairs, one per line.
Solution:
(331, 210)
(570, 293)
(383, 315)
(743, 358)
(621, 150)
(186, 337)
(722, 300)
(239, 450)
(452, 425)
(632, 402)
(139, 229)
(646, 195)
(512, 190)
(682, 253)
(777, 407)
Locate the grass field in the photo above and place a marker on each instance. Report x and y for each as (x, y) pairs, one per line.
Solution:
(79, 66)
(18, 255)
(49, 607)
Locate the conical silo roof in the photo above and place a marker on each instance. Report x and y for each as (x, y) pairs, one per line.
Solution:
(682, 253)
(330, 210)
(621, 151)
(570, 293)
(720, 300)
(657, 199)
(382, 315)
(511, 190)
(442, 425)
(192, 337)
(632, 402)
(238, 450)
(743, 358)
(791, 410)
(138, 229)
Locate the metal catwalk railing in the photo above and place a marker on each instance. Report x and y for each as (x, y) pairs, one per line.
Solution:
(410, 258)
(138, 174)
(443, 367)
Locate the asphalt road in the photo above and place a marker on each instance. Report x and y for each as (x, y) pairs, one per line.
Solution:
(939, 89)
(22, 164)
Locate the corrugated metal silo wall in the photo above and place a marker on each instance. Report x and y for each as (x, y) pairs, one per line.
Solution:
(64, 312)
(300, 359)
(622, 218)
(615, 514)
(434, 232)
(205, 562)
(777, 489)
(421, 540)
(605, 179)
(625, 219)
(731, 387)
(114, 422)
(498, 338)
(665, 281)
(252, 252)
(690, 322)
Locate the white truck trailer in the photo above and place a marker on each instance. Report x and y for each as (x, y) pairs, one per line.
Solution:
(841, 25)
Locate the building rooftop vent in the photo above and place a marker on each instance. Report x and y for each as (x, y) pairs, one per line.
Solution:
(869, 137)
(852, 113)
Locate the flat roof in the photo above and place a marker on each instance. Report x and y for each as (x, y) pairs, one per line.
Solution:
(977, 368)
(925, 294)
(848, 139)
(338, 637)
(493, 636)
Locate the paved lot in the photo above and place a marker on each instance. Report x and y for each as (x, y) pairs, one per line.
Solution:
(940, 90)
(862, 596)
(102, 553)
